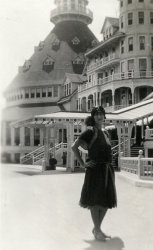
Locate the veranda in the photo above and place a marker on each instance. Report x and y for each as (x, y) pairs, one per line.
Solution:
(54, 125)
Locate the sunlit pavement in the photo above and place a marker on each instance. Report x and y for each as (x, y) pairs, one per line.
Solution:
(41, 212)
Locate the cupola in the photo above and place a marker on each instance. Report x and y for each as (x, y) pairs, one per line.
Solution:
(71, 10)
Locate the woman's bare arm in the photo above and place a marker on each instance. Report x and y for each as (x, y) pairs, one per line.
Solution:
(76, 151)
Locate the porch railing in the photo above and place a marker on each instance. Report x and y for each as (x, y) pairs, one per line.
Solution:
(39, 153)
(142, 167)
(100, 62)
(116, 77)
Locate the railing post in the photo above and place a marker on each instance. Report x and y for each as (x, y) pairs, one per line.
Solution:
(119, 160)
(139, 163)
(33, 160)
(43, 165)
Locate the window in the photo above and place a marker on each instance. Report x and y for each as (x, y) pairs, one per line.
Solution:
(130, 67)
(27, 93)
(129, 1)
(152, 43)
(130, 43)
(121, 4)
(73, 4)
(90, 78)
(141, 1)
(122, 46)
(65, 5)
(55, 91)
(142, 67)
(17, 136)
(151, 17)
(123, 69)
(69, 88)
(130, 18)
(152, 66)
(49, 92)
(44, 92)
(122, 24)
(142, 42)
(27, 136)
(32, 93)
(141, 17)
(36, 136)
(151, 1)
(38, 92)
(8, 134)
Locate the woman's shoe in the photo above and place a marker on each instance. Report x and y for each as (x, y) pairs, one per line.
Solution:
(98, 235)
(106, 236)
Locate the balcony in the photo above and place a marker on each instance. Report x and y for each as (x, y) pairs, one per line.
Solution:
(102, 62)
(87, 13)
(117, 77)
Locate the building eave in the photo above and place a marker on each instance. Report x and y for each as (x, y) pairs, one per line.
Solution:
(104, 43)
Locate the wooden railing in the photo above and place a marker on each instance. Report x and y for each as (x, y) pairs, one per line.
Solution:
(39, 153)
(142, 167)
(103, 61)
(32, 154)
(116, 77)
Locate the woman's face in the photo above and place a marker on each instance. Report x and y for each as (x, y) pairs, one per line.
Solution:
(99, 118)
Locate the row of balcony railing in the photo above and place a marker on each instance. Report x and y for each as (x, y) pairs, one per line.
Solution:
(70, 10)
(116, 77)
(103, 61)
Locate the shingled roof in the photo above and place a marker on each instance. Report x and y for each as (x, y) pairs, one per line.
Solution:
(76, 78)
(64, 32)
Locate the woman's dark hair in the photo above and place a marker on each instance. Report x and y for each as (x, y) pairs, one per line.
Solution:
(97, 110)
(89, 121)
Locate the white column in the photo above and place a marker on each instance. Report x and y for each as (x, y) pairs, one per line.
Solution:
(80, 104)
(46, 145)
(70, 140)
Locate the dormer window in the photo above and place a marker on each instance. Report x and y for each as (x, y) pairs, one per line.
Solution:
(94, 43)
(75, 41)
(78, 65)
(48, 64)
(26, 65)
(78, 60)
(41, 45)
(56, 44)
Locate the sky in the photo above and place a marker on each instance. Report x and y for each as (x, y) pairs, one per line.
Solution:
(23, 23)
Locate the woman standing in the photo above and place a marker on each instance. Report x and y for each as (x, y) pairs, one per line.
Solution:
(98, 191)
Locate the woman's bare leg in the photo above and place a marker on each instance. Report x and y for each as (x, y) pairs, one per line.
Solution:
(102, 212)
(95, 214)
(95, 217)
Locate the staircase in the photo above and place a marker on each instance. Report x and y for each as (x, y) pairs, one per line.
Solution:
(135, 150)
(35, 157)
